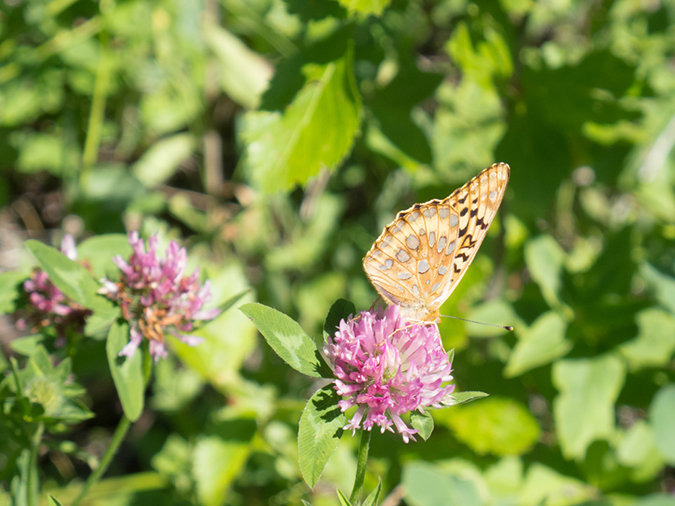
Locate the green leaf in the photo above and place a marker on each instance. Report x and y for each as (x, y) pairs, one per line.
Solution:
(127, 372)
(243, 74)
(543, 485)
(655, 342)
(584, 409)
(365, 7)
(428, 485)
(372, 498)
(662, 414)
(10, 290)
(465, 397)
(344, 501)
(73, 280)
(219, 459)
(163, 159)
(663, 285)
(540, 344)
(340, 310)
(496, 425)
(545, 260)
(68, 276)
(319, 433)
(99, 250)
(424, 423)
(316, 131)
(52, 501)
(637, 449)
(26, 345)
(286, 338)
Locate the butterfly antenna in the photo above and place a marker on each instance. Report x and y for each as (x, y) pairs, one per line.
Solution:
(505, 327)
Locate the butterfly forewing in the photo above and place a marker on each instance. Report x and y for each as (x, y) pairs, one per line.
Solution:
(421, 256)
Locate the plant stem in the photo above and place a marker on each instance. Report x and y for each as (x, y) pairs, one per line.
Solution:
(364, 445)
(118, 437)
(32, 486)
(97, 113)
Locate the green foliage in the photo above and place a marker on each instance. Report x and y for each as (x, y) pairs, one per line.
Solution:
(275, 139)
(319, 433)
(127, 372)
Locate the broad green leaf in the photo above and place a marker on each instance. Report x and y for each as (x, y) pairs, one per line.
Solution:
(99, 250)
(496, 425)
(319, 433)
(127, 372)
(655, 342)
(68, 276)
(365, 7)
(465, 397)
(286, 338)
(243, 74)
(491, 56)
(428, 485)
(545, 260)
(26, 345)
(163, 159)
(540, 344)
(10, 289)
(497, 312)
(543, 485)
(424, 423)
(340, 310)
(316, 131)
(584, 408)
(637, 449)
(229, 338)
(663, 285)
(505, 478)
(76, 283)
(662, 414)
(219, 459)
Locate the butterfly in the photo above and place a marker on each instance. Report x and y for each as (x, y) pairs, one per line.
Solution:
(422, 255)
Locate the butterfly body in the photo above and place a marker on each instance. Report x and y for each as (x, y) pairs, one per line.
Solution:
(421, 256)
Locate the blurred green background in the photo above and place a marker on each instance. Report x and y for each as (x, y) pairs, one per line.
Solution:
(275, 139)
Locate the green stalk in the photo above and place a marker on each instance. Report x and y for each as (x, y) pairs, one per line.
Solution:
(118, 437)
(32, 487)
(97, 113)
(364, 445)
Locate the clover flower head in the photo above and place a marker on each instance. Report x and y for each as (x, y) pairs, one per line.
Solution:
(387, 366)
(47, 305)
(156, 296)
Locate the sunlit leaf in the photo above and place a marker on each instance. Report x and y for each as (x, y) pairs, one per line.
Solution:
(316, 131)
(543, 485)
(655, 342)
(495, 425)
(127, 372)
(584, 408)
(429, 485)
(365, 6)
(243, 73)
(163, 159)
(540, 344)
(662, 414)
(319, 433)
(286, 338)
